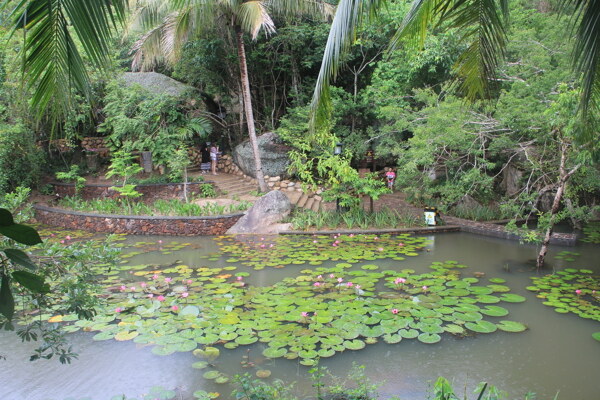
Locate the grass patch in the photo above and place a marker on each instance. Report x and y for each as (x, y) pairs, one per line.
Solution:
(358, 218)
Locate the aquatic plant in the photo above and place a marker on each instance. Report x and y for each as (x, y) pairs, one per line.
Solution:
(571, 290)
(317, 313)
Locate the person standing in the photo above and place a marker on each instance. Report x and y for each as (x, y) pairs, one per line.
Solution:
(391, 177)
(214, 152)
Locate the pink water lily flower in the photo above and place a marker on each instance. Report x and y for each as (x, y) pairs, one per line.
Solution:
(62, 241)
(242, 284)
(317, 284)
(334, 244)
(400, 244)
(424, 288)
(168, 280)
(185, 294)
(331, 276)
(123, 288)
(160, 298)
(143, 284)
(118, 309)
(68, 237)
(132, 288)
(357, 286)
(340, 280)
(394, 311)
(578, 292)
(398, 281)
(239, 278)
(314, 241)
(320, 277)
(380, 249)
(155, 276)
(175, 308)
(150, 295)
(349, 284)
(304, 314)
(159, 241)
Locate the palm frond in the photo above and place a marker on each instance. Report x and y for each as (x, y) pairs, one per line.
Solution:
(295, 8)
(52, 63)
(481, 26)
(252, 16)
(586, 53)
(348, 17)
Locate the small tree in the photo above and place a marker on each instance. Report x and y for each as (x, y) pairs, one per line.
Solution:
(179, 163)
(122, 165)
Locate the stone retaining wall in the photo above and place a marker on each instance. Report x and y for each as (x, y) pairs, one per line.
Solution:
(149, 191)
(137, 225)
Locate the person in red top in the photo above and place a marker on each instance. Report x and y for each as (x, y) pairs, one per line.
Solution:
(391, 177)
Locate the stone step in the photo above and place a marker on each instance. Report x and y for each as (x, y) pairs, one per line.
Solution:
(293, 196)
(316, 206)
(309, 204)
(302, 201)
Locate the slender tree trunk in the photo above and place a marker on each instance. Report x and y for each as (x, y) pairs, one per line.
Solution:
(562, 183)
(248, 111)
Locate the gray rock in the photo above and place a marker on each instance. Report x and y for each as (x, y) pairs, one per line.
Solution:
(157, 83)
(273, 154)
(511, 177)
(467, 202)
(263, 216)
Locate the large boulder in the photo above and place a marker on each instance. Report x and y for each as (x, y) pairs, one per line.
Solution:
(157, 83)
(264, 215)
(273, 154)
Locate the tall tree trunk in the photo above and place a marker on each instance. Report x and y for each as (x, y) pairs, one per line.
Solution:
(562, 183)
(248, 111)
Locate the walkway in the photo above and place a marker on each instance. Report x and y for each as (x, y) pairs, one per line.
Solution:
(235, 187)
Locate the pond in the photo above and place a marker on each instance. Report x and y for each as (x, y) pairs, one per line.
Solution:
(489, 277)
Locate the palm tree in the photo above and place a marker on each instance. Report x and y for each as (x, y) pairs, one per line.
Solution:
(168, 25)
(482, 24)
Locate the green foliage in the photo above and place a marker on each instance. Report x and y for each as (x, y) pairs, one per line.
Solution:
(386, 218)
(255, 389)
(208, 190)
(172, 207)
(137, 120)
(21, 161)
(72, 175)
(122, 165)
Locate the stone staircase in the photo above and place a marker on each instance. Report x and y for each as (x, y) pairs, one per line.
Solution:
(236, 186)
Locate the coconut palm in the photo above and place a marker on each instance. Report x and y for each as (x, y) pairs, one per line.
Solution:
(169, 24)
(482, 25)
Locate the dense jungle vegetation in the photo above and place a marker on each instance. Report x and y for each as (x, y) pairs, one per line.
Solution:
(505, 156)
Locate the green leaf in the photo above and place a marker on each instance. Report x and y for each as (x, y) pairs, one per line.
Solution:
(20, 233)
(20, 257)
(31, 281)
(6, 218)
(7, 302)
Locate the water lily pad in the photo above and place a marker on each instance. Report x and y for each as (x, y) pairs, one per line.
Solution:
(221, 379)
(355, 344)
(408, 333)
(481, 326)
(125, 335)
(494, 311)
(511, 326)
(200, 364)
(211, 374)
(512, 298)
(209, 353)
(263, 373)
(429, 338)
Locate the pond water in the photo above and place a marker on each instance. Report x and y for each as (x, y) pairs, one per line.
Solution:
(557, 354)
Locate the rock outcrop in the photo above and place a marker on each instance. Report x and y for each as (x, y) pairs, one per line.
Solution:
(273, 154)
(264, 215)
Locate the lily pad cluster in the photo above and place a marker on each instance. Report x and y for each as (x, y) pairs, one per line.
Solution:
(592, 233)
(280, 251)
(317, 313)
(571, 290)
